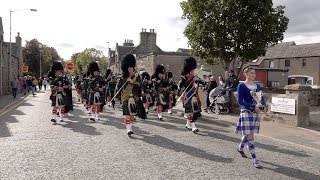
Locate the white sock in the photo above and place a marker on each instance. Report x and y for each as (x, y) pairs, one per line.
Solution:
(159, 115)
(129, 127)
(54, 116)
(188, 124)
(97, 115)
(169, 111)
(185, 116)
(193, 126)
(93, 115)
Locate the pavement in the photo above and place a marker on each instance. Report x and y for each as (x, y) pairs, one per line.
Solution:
(33, 148)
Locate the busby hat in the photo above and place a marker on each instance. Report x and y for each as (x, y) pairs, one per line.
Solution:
(56, 66)
(189, 64)
(127, 61)
(93, 66)
(145, 75)
(160, 69)
(108, 73)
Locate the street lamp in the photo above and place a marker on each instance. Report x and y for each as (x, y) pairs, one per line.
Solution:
(109, 56)
(10, 52)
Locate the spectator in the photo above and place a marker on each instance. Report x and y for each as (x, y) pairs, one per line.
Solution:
(29, 85)
(210, 86)
(221, 82)
(14, 85)
(40, 84)
(45, 82)
(35, 83)
(231, 86)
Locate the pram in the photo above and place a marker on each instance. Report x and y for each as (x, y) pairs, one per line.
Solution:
(219, 101)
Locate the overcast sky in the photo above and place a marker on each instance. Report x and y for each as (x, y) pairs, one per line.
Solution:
(72, 25)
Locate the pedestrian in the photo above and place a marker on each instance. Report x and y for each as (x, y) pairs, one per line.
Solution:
(249, 120)
(45, 82)
(14, 85)
(24, 85)
(40, 84)
(35, 83)
(30, 85)
(191, 100)
(130, 82)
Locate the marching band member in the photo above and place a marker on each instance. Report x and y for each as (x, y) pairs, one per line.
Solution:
(107, 78)
(172, 91)
(191, 99)
(111, 89)
(96, 88)
(249, 120)
(146, 91)
(58, 95)
(129, 85)
(162, 90)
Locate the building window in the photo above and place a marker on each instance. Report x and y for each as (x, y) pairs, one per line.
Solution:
(271, 64)
(304, 63)
(287, 63)
(274, 84)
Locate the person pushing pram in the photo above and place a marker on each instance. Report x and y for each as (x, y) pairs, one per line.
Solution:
(219, 100)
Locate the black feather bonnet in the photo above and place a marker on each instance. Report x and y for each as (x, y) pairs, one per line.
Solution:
(93, 66)
(127, 61)
(189, 64)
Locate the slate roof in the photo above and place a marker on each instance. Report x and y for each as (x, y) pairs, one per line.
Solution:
(288, 50)
(124, 49)
(184, 50)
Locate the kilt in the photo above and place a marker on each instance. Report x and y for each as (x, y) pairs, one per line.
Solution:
(249, 123)
(140, 109)
(188, 105)
(91, 98)
(53, 100)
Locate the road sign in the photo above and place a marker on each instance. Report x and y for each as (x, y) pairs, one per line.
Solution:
(70, 66)
(24, 69)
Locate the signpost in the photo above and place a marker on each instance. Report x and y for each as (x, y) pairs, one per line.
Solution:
(24, 69)
(283, 105)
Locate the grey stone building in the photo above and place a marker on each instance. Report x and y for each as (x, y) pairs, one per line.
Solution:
(148, 55)
(12, 68)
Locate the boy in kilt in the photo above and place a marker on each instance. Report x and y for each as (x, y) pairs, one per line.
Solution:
(96, 89)
(129, 86)
(161, 86)
(191, 98)
(249, 120)
(58, 95)
(146, 91)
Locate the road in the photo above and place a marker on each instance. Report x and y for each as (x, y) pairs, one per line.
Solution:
(32, 148)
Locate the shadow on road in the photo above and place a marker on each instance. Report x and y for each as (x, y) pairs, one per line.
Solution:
(291, 172)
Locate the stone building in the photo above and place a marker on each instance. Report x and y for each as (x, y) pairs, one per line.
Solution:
(9, 69)
(292, 64)
(148, 55)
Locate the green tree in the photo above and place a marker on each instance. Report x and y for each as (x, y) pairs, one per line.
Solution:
(225, 31)
(33, 52)
(82, 60)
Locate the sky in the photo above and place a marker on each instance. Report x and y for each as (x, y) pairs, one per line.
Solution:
(70, 26)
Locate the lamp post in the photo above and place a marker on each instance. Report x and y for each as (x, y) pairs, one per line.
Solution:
(40, 61)
(10, 52)
(109, 55)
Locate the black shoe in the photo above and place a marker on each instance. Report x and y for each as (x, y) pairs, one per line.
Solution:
(92, 119)
(256, 164)
(195, 131)
(242, 153)
(130, 133)
(188, 128)
(61, 120)
(161, 119)
(53, 120)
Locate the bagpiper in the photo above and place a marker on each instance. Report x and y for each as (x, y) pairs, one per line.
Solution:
(191, 99)
(58, 95)
(111, 86)
(129, 86)
(146, 91)
(96, 88)
(161, 86)
(173, 88)
(107, 78)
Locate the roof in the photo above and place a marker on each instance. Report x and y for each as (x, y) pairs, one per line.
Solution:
(166, 53)
(184, 50)
(141, 49)
(289, 50)
(124, 49)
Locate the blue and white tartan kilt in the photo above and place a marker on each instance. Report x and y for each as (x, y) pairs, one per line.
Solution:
(249, 123)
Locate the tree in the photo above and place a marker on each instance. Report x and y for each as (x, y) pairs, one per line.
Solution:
(83, 59)
(33, 52)
(224, 31)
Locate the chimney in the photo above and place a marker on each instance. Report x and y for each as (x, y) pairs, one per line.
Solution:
(128, 42)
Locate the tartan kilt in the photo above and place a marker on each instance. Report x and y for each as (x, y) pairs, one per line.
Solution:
(140, 109)
(188, 105)
(249, 123)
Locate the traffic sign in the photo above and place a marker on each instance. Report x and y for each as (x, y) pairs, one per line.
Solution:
(70, 66)
(24, 69)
